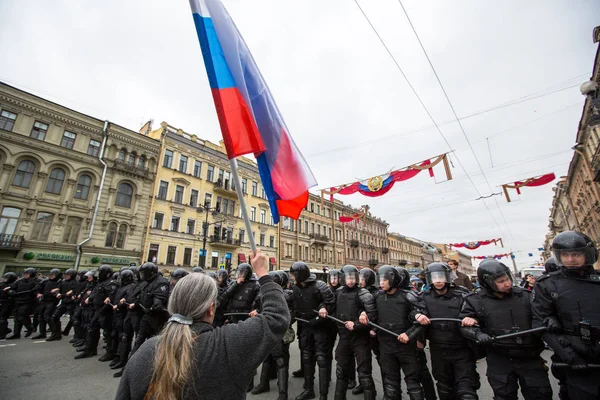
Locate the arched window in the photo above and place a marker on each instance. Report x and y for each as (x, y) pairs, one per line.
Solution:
(83, 187)
(111, 235)
(131, 160)
(121, 156)
(124, 195)
(142, 162)
(55, 181)
(24, 174)
(121, 235)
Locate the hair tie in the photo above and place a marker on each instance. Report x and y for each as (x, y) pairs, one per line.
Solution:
(181, 319)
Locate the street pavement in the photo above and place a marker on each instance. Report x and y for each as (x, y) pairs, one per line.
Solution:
(36, 369)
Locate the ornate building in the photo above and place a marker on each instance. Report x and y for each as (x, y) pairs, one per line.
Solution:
(74, 190)
(195, 212)
(405, 251)
(366, 239)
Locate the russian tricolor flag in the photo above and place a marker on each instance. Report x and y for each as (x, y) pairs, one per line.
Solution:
(249, 118)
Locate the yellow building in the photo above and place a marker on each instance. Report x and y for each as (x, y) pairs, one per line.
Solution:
(405, 251)
(195, 217)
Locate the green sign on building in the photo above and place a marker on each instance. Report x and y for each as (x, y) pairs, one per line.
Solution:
(55, 257)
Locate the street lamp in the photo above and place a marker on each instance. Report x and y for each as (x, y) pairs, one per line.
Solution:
(214, 211)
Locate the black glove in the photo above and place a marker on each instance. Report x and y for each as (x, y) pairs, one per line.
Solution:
(483, 338)
(314, 321)
(575, 361)
(552, 324)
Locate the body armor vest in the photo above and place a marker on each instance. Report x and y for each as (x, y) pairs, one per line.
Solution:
(307, 299)
(446, 306)
(347, 304)
(243, 298)
(47, 295)
(393, 310)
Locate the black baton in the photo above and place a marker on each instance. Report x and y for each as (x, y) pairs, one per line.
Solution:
(514, 334)
(565, 365)
(383, 329)
(236, 313)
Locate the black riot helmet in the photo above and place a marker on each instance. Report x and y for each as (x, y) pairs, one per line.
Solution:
(349, 273)
(335, 277)
(277, 278)
(213, 275)
(437, 272)
(148, 271)
(90, 274)
(404, 278)
(115, 276)
(571, 243)
(9, 277)
(81, 275)
(490, 270)
(367, 275)
(285, 278)
(550, 265)
(390, 274)
(70, 274)
(300, 271)
(55, 274)
(31, 271)
(178, 274)
(126, 277)
(223, 276)
(197, 269)
(104, 272)
(244, 270)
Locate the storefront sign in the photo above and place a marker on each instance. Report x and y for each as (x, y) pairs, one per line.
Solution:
(55, 257)
(115, 260)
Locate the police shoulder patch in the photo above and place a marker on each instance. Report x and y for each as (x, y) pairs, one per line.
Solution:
(163, 288)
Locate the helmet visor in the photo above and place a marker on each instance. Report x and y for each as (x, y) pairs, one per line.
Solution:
(437, 277)
(574, 258)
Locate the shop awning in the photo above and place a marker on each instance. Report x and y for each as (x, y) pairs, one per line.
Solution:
(242, 257)
(273, 261)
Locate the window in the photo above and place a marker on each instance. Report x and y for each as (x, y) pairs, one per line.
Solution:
(175, 224)
(142, 162)
(56, 180)
(168, 160)
(8, 220)
(39, 130)
(111, 235)
(24, 174)
(43, 223)
(183, 164)
(94, 148)
(122, 154)
(171, 251)
(252, 213)
(231, 207)
(7, 120)
(191, 226)
(263, 217)
(197, 168)
(83, 187)
(163, 188)
(131, 159)
(262, 239)
(318, 209)
(121, 236)
(68, 140)
(194, 198)
(244, 185)
(178, 194)
(124, 195)
(225, 206)
(306, 227)
(263, 195)
(272, 241)
(207, 200)
(241, 235)
(218, 204)
(312, 228)
(187, 256)
(157, 223)
(221, 178)
(210, 173)
(254, 188)
(312, 207)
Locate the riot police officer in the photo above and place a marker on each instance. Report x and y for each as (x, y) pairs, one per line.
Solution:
(120, 311)
(84, 313)
(452, 360)
(198, 270)
(23, 291)
(566, 302)
(77, 316)
(312, 299)
(6, 303)
(65, 295)
(242, 295)
(550, 265)
(352, 301)
(177, 275)
(48, 291)
(397, 353)
(501, 308)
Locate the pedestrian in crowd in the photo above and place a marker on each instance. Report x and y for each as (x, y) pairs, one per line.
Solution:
(64, 295)
(566, 303)
(459, 278)
(126, 284)
(500, 308)
(191, 359)
(241, 296)
(6, 303)
(23, 291)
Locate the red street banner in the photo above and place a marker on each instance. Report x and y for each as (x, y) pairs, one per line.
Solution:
(530, 182)
(345, 219)
(476, 245)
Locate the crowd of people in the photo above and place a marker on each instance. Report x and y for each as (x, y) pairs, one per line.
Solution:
(207, 320)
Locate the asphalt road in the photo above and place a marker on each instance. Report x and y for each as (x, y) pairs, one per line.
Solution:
(36, 369)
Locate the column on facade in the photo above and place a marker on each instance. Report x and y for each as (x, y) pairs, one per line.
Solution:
(6, 173)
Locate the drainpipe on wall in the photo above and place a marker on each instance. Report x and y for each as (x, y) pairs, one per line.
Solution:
(100, 158)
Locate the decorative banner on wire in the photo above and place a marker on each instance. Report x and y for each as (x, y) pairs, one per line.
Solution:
(360, 214)
(530, 182)
(476, 245)
(379, 185)
(495, 256)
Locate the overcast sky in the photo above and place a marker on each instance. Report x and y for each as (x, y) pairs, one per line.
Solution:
(345, 102)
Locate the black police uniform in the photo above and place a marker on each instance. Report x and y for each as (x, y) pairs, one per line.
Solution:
(153, 302)
(6, 303)
(23, 291)
(118, 328)
(77, 316)
(241, 298)
(67, 304)
(312, 295)
(452, 360)
(355, 344)
(511, 362)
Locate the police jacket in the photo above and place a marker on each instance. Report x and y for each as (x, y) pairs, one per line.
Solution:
(5, 300)
(502, 315)
(80, 287)
(351, 302)
(100, 292)
(571, 299)
(121, 293)
(24, 290)
(66, 287)
(47, 290)
(393, 313)
(85, 294)
(242, 298)
(155, 295)
(288, 294)
(447, 305)
(314, 295)
(133, 295)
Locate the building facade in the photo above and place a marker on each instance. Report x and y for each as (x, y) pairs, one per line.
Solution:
(195, 213)
(405, 251)
(367, 242)
(465, 261)
(74, 190)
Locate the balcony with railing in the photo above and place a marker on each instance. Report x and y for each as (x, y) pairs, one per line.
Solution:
(225, 187)
(354, 243)
(224, 241)
(11, 242)
(385, 250)
(132, 169)
(319, 239)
